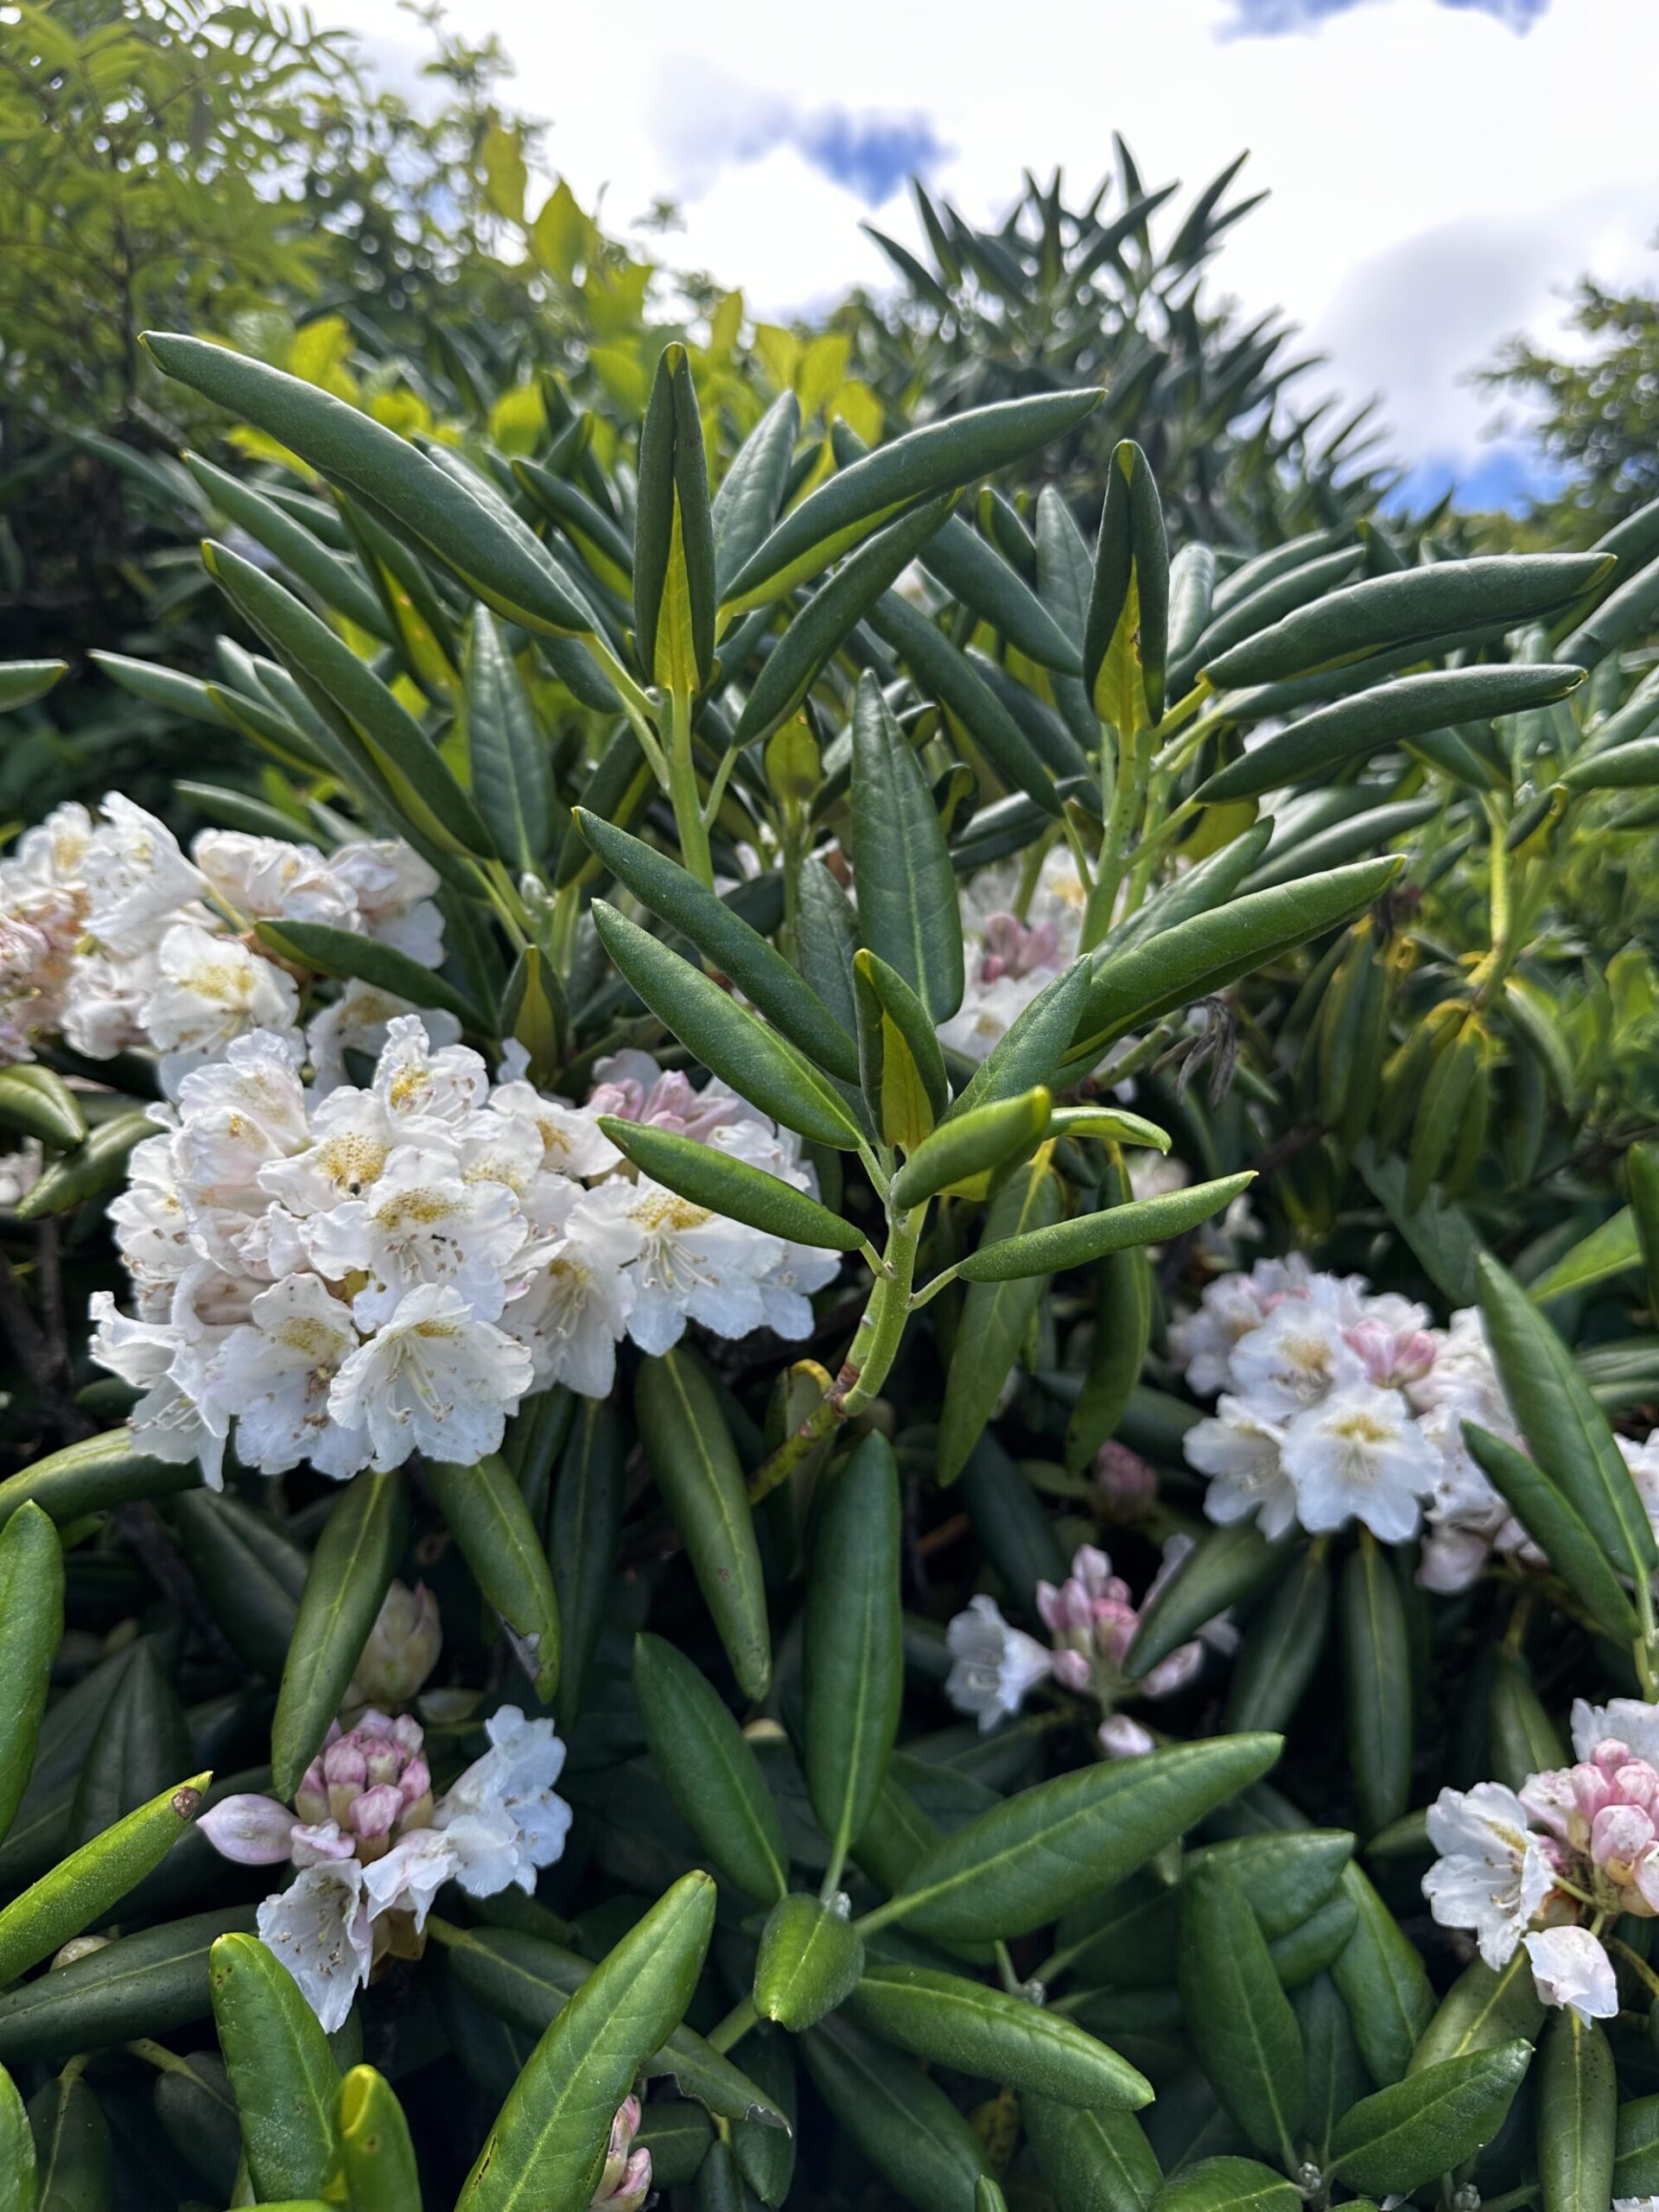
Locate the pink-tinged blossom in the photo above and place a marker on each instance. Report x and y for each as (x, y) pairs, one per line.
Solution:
(624, 2180)
(993, 1664)
(1571, 1969)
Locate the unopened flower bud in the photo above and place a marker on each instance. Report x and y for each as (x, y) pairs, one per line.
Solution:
(1126, 1485)
(402, 1650)
(626, 2181)
(77, 1946)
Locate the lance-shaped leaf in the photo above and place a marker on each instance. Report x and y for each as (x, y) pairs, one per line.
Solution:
(1227, 2184)
(282, 2071)
(336, 582)
(1192, 593)
(1026, 1861)
(586, 1531)
(975, 573)
(376, 2159)
(403, 763)
(36, 1103)
(995, 1315)
(1117, 1349)
(1429, 2124)
(1224, 1566)
(828, 619)
(725, 1184)
(907, 896)
(1555, 1523)
(91, 1169)
(972, 1144)
(1567, 1432)
(81, 1889)
(142, 1985)
(810, 1961)
(751, 491)
(1504, 589)
(547, 2145)
(726, 941)
(1485, 2007)
(502, 565)
(1390, 713)
(1376, 1684)
(901, 1069)
(356, 1557)
(22, 682)
(139, 1745)
(1093, 2158)
(1089, 1236)
(853, 1653)
(535, 1014)
(1578, 2114)
(1032, 1051)
(903, 2123)
(1126, 641)
(1204, 955)
(757, 1064)
(484, 1511)
(18, 2171)
(526, 1981)
(329, 951)
(924, 463)
(939, 668)
(673, 536)
(1281, 1647)
(1239, 2018)
(709, 1770)
(512, 787)
(962, 2025)
(1384, 1983)
(31, 1628)
(696, 1464)
(94, 1476)
(72, 2160)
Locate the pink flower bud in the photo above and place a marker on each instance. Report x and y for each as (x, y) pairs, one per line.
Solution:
(252, 1830)
(1126, 1485)
(625, 2183)
(1123, 1738)
(1072, 1670)
(1174, 1673)
(374, 1812)
(345, 1765)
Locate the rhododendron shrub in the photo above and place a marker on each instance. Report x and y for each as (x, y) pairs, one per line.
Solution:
(835, 1378)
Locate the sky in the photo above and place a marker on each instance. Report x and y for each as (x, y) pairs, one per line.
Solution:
(1439, 171)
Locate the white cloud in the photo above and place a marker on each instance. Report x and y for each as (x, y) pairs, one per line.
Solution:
(1437, 181)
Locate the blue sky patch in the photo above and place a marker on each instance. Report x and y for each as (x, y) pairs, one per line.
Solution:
(871, 155)
(1267, 18)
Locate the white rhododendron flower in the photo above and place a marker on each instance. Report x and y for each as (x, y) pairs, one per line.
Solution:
(373, 1846)
(1337, 1403)
(1571, 1969)
(110, 937)
(993, 1665)
(1491, 1875)
(352, 1274)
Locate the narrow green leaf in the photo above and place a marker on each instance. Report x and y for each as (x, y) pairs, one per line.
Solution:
(962, 2025)
(547, 2145)
(1089, 1237)
(1384, 1984)
(81, 1889)
(282, 2071)
(1376, 1684)
(696, 1464)
(1094, 2160)
(1429, 2124)
(1238, 2017)
(376, 2156)
(330, 951)
(1484, 2007)
(484, 1511)
(996, 1312)
(709, 1771)
(1025, 1862)
(724, 1185)
(37, 1102)
(751, 491)
(726, 941)
(1226, 2185)
(942, 457)
(142, 1985)
(757, 1064)
(512, 787)
(971, 1145)
(587, 1531)
(906, 891)
(356, 1557)
(903, 2122)
(31, 1628)
(1126, 641)
(426, 506)
(853, 1652)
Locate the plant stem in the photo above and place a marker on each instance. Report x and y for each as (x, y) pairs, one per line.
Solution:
(732, 2029)
(682, 790)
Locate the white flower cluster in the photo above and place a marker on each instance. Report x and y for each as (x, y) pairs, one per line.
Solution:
(1010, 960)
(1091, 1620)
(110, 937)
(1528, 1868)
(373, 1846)
(356, 1275)
(1336, 1403)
